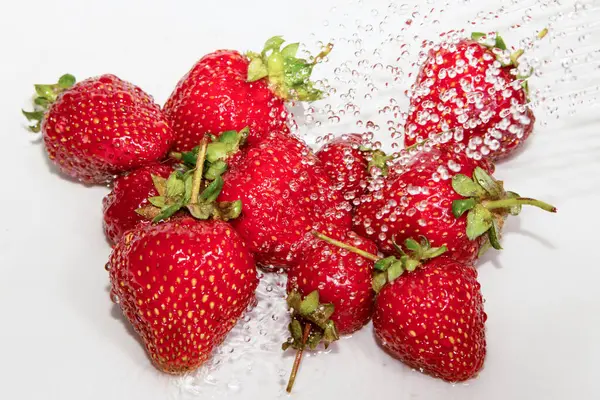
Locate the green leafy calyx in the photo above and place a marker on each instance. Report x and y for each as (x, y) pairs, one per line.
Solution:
(287, 74)
(45, 95)
(191, 190)
(309, 310)
(487, 204)
(217, 152)
(378, 160)
(512, 60)
(390, 268)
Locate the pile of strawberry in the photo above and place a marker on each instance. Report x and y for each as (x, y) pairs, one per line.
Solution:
(214, 184)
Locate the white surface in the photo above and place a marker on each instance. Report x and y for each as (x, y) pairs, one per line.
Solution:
(61, 337)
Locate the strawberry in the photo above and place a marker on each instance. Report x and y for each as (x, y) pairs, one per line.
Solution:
(328, 204)
(432, 319)
(129, 193)
(470, 87)
(347, 162)
(182, 284)
(284, 192)
(99, 127)
(428, 312)
(158, 191)
(341, 278)
(226, 90)
(462, 211)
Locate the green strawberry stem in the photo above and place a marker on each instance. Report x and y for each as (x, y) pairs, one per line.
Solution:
(310, 326)
(379, 159)
(218, 150)
(345, 246)
(413, 146)
(183, 190)
(518, 201)
(390, 268)
(198, 174)
(324, 53)
(298, 359)
(45, 96)
(514, 57)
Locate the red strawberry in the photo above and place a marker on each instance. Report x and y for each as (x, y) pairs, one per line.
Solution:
(226, 90)
(327, 203)
(341, 278)
(429, 315)
(283, 194)
(131, 192)
(141, 195)
(470, 87)
(345, 164)
(348, 164)
(183, 285)
(99, 127)
(432, 319)
(431, 199)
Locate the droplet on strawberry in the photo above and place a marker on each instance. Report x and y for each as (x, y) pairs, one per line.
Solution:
(182, 284)
(341, 278)
(99, 127)
(428, 312)
(470, 89)
(284, 193)
(424, 200)
(227, 90)
(348, 162)
(432, 319)
(130, 192)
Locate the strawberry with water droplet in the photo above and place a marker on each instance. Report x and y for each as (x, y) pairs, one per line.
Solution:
(348, 163)
(285, 193)
(430, 314)
(99, 127)
(341, 277)
(472, 90)
(445, 196)
(227, 90)
(130, 192)
(182, 284)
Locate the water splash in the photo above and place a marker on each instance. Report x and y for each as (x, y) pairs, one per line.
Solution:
(376, 59)
(379, 48)
(252, 347)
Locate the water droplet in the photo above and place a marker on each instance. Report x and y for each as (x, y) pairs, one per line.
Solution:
(114, 298)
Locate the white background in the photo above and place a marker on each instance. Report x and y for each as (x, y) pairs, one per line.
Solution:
(61, 337)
